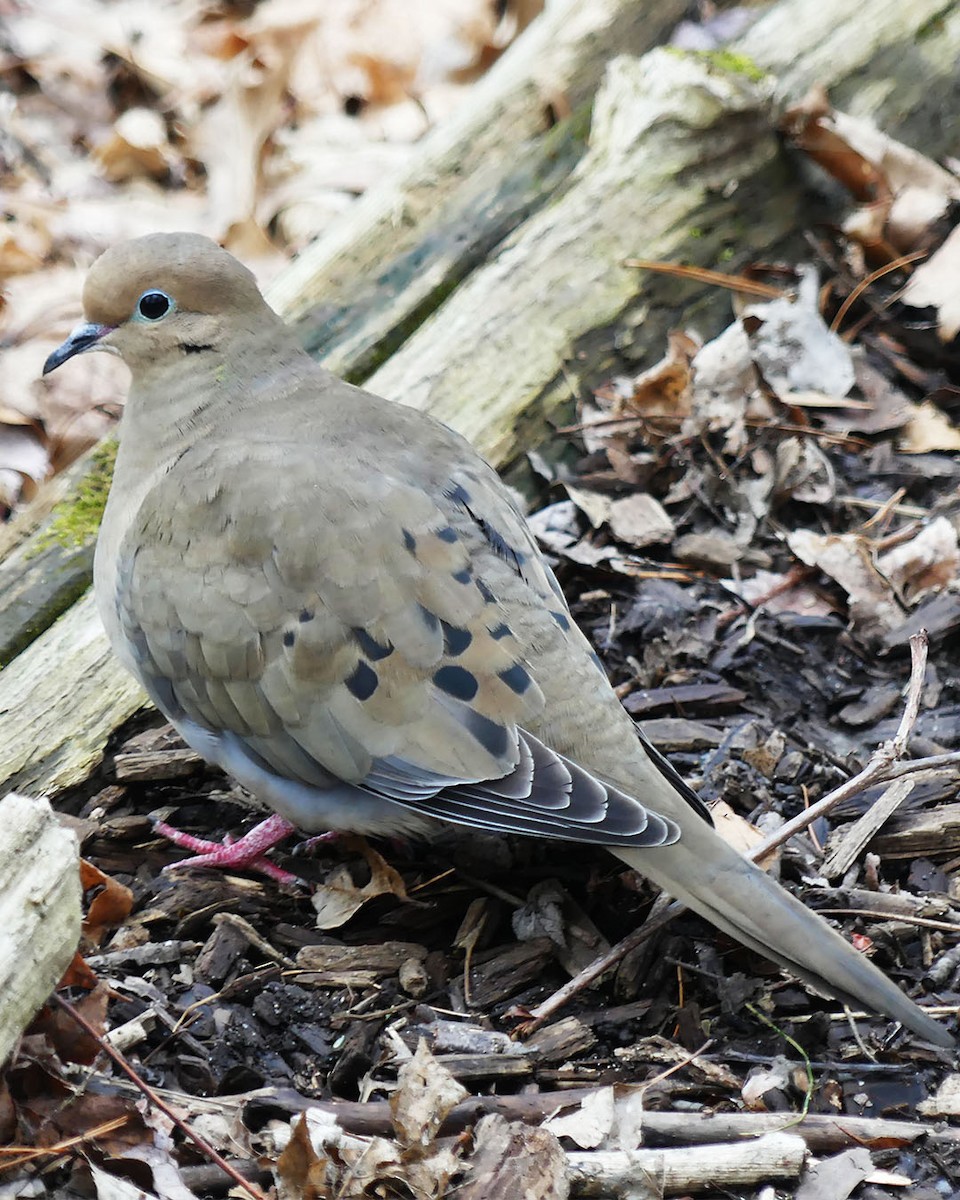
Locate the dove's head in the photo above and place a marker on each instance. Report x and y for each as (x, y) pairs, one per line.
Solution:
(161, 295)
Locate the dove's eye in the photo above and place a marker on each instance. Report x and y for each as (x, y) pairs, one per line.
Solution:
(153, 305)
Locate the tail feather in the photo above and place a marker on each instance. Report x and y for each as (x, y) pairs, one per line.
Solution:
(715, 881)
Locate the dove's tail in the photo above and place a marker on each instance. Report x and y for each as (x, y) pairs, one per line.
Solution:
(710, 877)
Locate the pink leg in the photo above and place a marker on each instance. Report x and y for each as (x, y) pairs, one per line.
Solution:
(247, 852)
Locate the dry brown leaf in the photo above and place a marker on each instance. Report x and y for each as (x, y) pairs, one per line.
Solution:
(792, 347)
(231, 134)
(321, 1159)
(925, 564)
(24, 462)
(771, 589)
(110, 906)
(662, 391)
(919, 188)
(338, 897)
(847, 558)
(724, 379)
(902, 192)
(928, 428)
(70, 1041)
(24, 245)
(137, 146)
(945, 1102)
(761, 1080)
(595, 506)
(512, 1160)
(803, 472)
(426, 1092)
(590, 1124)
(738, 833)
(884, 407)
(640, 520)
(934, 283)
(836, 1177)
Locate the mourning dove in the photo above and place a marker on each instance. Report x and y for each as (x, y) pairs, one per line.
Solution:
(336, 600)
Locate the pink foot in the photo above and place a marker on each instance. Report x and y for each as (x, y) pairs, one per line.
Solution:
(246, 852)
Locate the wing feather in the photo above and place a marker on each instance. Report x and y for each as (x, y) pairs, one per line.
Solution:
(378, 650)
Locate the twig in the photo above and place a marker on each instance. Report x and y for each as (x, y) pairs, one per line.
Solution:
(904, 261)
(877, 768)
(822, 1132)
(690, 1059)
(904, 918)
(734, 283)
(202, 1145)
(21, 1155)
(934, 763)
(883, 762)
(848, 848)
(599, 965)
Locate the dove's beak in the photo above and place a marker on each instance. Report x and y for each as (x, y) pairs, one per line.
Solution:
(82, 339)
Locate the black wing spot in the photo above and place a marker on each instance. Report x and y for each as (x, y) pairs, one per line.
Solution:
(516, 558)
(458, 494)
(289, 637)
(305, 615)
(457, 682)
(464, 576)
(373, 649)
(363, 682)
(562, 620)
(491, 736)
(488, 596)
(501, 631)
(517, 678)
(448, 534)
(409, 541)
(455, 639)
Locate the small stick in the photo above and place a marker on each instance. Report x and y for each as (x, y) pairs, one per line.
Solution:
(848, 848)
(881, 764)
(876, 769)
(202, 1145)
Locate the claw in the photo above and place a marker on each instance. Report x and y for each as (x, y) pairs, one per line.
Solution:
(246, 853)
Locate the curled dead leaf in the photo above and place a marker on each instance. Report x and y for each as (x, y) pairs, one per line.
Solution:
(110, 906)
(338, 897)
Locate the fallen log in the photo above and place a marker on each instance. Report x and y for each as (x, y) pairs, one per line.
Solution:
(39, 910)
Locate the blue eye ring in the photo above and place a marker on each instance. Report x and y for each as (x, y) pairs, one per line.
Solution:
(154, 305)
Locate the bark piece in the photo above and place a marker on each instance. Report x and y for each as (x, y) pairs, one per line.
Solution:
(847, 848)
(496, 975)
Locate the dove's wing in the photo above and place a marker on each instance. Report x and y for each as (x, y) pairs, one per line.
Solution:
(362, 633)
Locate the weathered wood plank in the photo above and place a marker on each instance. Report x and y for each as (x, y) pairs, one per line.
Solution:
(59, 701)
(39, 910)
(670, 134)
(45, 563)
(458, 182)
(682, 164)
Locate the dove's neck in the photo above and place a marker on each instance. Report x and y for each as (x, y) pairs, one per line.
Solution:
(240, 384)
